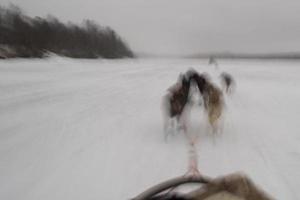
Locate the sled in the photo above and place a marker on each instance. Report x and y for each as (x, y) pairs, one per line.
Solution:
(231, 187)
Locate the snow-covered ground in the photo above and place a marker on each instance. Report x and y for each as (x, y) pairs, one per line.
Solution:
(92, 129)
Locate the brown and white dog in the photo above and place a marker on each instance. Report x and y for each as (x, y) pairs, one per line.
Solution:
(174, 103)
(212, 98)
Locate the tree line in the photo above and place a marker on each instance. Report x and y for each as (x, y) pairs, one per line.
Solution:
(24, 36)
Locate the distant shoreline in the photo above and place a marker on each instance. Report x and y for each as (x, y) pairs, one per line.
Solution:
(263, 56)
(249, 56)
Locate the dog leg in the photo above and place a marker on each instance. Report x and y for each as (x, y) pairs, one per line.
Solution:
(214, 128)
(168, 128)
(182, 124)
(171, 127)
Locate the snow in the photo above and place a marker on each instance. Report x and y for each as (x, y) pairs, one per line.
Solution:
(92, 129)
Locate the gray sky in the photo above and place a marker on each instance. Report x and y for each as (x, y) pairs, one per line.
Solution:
(186, 26)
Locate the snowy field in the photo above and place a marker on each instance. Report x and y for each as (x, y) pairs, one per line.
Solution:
(92, 129)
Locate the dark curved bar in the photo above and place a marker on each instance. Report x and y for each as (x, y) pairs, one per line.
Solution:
(170, 184)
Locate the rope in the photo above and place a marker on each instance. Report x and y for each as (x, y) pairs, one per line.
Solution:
(192, 175)
(193, 171)
(193, 157)
(193, 162)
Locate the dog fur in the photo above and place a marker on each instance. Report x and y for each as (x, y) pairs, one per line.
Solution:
(177, 97)
(212, 98)
(214, 104)
(174, 104)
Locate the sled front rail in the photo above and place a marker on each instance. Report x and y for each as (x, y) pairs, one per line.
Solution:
(169, 184)
(231, 187)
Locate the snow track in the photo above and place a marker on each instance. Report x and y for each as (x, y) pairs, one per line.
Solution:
(92, 129)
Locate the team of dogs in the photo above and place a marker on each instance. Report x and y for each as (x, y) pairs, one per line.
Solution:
(178, 97)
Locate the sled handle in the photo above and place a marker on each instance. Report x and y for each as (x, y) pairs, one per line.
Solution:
(174, 182)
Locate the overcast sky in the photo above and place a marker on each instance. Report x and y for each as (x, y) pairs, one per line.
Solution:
(186, 26)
